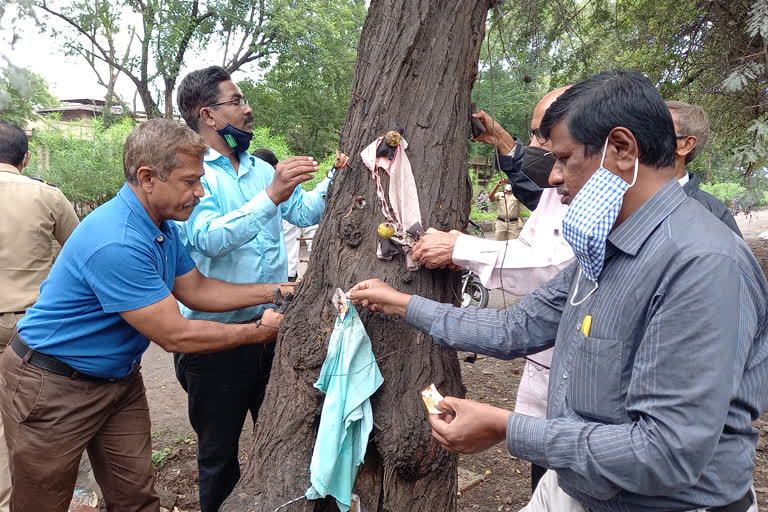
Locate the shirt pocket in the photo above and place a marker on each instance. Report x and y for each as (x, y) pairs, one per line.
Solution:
(594, 390)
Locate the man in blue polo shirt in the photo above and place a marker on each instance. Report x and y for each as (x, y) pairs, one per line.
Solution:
(71, 381)
(236, 234)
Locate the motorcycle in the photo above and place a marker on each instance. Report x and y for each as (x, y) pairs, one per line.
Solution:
(473, 293)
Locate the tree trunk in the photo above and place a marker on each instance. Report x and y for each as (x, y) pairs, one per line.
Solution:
(417, 62)
(170, 85)
(150, 106)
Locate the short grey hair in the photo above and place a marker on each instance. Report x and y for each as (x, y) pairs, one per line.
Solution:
(154, 144)
(691, 120)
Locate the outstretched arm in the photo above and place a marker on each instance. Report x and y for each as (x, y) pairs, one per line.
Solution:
(201, 293)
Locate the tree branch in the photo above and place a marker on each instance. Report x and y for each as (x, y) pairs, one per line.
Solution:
(104, 54)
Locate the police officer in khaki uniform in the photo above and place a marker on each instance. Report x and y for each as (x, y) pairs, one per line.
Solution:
(32, 211)
(508, 224)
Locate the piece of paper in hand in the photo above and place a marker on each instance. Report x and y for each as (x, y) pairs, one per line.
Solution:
(431, 397)
(339, 301)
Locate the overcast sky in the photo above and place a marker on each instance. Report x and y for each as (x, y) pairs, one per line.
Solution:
(70, 77)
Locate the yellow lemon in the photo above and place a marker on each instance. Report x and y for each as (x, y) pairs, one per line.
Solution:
(386, 230)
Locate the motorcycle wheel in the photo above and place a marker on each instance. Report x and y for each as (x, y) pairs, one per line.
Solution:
(475, 294)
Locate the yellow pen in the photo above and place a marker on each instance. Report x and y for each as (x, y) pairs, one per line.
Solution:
(586, 324)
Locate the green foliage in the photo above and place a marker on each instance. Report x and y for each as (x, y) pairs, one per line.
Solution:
(88, 169)
(149, 42)
(21, 93)
(305, 94)
(710, 53)
(505, 90)
(160, 457)
(323, 167)
(725, 192)
(728, 191)
(476, 213)
(263, 138)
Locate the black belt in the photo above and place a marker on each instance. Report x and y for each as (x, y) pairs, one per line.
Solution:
(740, 505)
(502, 219)
(48, 363)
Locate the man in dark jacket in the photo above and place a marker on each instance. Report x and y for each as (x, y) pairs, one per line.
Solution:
(692, 132)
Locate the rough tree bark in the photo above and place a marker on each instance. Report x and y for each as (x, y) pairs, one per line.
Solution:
(417, 62)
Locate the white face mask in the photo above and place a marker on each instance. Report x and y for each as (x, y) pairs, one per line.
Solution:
(507, 188)
(591, 217)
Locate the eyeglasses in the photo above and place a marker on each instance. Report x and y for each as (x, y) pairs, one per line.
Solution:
(679, 137)
(534, 133)
(240, 102)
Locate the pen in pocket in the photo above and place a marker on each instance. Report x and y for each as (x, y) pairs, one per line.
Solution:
(586, 324)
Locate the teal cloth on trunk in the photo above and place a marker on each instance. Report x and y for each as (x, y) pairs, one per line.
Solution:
(348, 378)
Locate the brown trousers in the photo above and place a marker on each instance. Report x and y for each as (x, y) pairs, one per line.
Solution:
(50, 419)
(8, 323)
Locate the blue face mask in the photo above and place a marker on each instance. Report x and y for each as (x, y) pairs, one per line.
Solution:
(235, 138)
(590, 218)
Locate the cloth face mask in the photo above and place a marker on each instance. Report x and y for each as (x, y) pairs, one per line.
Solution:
(591, 217)
(537, 164)
(235, 138)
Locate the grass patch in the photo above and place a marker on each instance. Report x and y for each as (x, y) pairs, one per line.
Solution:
(160, 457)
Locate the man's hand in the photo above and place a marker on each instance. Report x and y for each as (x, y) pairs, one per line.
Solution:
(378, 296)
(286, 288)
(435, 249)
(270, 324)
(288, 174)
(494, 134)
(467, 426)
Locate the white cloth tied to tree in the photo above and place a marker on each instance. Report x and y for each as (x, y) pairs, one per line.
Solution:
(348, 378)
(403, 196)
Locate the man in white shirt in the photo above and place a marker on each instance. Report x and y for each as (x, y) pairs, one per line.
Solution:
(521, 265)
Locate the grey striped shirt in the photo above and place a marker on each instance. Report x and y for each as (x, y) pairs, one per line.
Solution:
(653, 410)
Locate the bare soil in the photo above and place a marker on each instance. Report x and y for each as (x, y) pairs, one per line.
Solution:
(506, 480)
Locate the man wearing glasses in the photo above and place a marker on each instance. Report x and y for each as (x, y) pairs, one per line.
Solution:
(517, 266)
(235, 234)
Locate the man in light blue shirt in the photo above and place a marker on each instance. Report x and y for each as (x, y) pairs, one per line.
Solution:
(236, 235)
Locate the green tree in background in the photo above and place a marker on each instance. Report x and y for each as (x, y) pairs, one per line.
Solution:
(149, 41)
(304, 94)
(21, 94)
(88, 168)
(505, 89)
(712, 53)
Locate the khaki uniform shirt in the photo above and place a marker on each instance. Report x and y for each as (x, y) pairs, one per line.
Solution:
(30, 213)
(509, 206)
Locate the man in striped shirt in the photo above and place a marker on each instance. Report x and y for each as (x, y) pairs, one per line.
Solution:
(661, 360)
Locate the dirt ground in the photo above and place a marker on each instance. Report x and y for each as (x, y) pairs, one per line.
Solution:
(505, 484)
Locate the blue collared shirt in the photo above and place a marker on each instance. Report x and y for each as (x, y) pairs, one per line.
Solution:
(653, 409)
(116, 260)
(235, 234)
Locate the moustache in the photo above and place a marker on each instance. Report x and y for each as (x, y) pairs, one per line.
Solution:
(191, 204)
(249, 120)
(562, 190)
